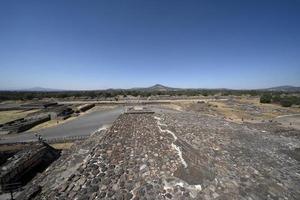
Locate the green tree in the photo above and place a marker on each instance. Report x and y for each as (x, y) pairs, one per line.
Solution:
(286, 102)
(266, 98)
(276, 99)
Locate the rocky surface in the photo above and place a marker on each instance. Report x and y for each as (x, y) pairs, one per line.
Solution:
(248, 161)
(179, 155)
(14, 172)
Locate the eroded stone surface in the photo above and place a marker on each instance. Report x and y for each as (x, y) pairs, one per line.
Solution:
(177, 156)
(238, 161)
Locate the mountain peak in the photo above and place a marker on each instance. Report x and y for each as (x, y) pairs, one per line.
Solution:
(159, 87)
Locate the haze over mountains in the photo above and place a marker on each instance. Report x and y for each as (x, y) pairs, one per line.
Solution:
(285, 88)
(162, 88)
(41, 89)
(159, 87)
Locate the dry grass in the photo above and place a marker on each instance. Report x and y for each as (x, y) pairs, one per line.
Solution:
(172, 106)
(238, 109)
(11, 147)
(51, 123)
(66, 145)
(267, 111)
(230, 113)
(6, 116)
(47, 124)
(17, 147)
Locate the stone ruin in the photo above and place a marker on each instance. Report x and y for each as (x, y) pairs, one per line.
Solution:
(182, 155)
(21, 167)
(23, 124)
(84, 107)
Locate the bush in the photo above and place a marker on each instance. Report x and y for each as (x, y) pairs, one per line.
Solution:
(205, 94)
(266, 98)
(286, 103)
(276, 99)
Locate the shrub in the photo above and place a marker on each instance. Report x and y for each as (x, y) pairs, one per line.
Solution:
(286, 103)
(276, 99)
(265, 98)
(205, 94)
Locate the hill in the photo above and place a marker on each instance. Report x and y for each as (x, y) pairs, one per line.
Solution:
(157, 87)
(285, 88)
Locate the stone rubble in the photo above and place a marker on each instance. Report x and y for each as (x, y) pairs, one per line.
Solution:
(248, 161)
(178, 155)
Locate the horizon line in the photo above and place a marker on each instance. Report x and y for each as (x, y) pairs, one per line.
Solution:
(47, 89)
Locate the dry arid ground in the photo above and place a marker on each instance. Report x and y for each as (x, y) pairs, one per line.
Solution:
(240, 109)
(66, 145)
(6, 116)
(17, 147)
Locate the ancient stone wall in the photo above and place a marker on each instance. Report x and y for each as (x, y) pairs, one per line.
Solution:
(22, 162)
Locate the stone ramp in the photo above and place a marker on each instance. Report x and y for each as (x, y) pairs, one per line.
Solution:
(174, 156)
(132, 160)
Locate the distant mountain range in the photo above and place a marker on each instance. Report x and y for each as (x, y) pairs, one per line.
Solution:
(162, 88)
(159, 87)
(285, 88)
(40, 89)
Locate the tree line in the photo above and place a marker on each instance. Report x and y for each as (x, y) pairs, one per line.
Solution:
(282, 99)
(105, 94)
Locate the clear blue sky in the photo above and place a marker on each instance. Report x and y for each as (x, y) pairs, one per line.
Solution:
(121, 44)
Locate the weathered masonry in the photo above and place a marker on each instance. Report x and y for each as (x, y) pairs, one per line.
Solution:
(21, 167)
(23, 124)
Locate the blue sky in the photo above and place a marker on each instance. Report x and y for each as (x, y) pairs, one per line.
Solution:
(121, 44)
